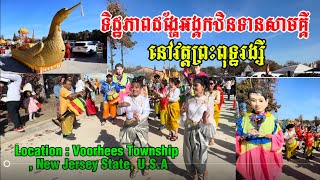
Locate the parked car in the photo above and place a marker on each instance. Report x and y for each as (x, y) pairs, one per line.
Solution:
(72, 45)
(86, 47)
(263, 74)
(99, 47)
(96, 42)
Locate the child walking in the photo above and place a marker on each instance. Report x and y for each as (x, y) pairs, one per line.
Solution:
(31, 105)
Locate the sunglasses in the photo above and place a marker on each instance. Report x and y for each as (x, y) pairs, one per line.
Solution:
(211, 83)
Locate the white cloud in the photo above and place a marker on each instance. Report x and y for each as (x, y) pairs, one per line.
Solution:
(273, 35)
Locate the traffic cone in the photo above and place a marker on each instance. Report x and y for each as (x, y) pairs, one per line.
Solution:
(234, 104)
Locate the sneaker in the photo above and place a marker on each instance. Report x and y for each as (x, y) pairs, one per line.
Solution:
(103, 123)
(294, 157)
(69, 137)
(19, 129)
(114, 121)
(31, 120)
(162, 127)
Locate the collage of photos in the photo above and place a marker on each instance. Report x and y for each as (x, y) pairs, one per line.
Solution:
(92, 109)
(278, 128)
(78, 103)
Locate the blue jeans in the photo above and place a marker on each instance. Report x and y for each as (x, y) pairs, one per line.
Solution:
(228, 92)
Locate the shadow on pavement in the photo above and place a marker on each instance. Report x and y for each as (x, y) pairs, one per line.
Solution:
(230, 157)
(225, 144)
(95, 58)
(110, 141)
(227, 130)
(172, 167)
(302, 162)
(228, 117)
(153, 128)
(294, 173)
(154, 125)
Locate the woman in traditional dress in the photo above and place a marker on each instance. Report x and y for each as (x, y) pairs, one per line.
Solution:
(90, 99)
(173, 111)
(291, 142)
(200, 128)
(215, 95)
(161, 93)
(218, 88)
(309, 143)
(135, 128)
(259, 141)
(300, 135)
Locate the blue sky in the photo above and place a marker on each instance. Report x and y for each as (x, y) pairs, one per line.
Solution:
(298, 96)
(37, 15)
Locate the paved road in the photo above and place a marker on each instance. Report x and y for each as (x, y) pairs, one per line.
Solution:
(77, 64)
(221, 161)
(90, 133)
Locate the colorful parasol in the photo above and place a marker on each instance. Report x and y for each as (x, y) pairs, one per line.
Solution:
(23, 31)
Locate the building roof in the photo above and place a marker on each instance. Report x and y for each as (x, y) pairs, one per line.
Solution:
(248, 69)
(295, 69)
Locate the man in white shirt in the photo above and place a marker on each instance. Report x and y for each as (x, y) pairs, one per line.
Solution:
(228, 87)
(13, 99)
(80, 86)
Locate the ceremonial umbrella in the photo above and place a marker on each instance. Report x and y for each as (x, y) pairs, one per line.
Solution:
(23, 31)
(2, 41)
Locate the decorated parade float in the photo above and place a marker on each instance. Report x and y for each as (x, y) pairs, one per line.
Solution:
(45, 55)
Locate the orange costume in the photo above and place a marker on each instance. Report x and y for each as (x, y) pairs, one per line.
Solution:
(309, 144)
(68, 51)
(110, 100)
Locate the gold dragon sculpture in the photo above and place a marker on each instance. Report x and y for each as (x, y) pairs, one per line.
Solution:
(48, 54)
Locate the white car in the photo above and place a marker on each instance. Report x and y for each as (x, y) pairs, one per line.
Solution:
(263, 74)
(87, 47)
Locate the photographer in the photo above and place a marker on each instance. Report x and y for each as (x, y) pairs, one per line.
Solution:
(13, 100)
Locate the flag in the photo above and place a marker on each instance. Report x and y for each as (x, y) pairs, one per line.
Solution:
(82, 12)
(185, 72)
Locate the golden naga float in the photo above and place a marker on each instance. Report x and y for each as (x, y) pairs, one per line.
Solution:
(48, 54)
